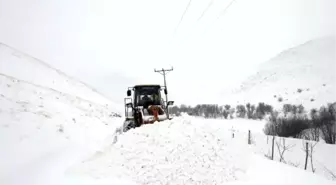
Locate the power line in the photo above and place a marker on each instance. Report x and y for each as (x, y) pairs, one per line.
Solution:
(206, 9)
(222, 13)
(185, 11)
(202, 14)
(225, 9)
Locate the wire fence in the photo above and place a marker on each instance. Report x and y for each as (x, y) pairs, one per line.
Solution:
(314, 157)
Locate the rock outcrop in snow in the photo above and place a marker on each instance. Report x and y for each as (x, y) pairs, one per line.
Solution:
(301, 75)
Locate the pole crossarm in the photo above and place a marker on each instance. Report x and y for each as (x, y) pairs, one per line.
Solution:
(164, 72)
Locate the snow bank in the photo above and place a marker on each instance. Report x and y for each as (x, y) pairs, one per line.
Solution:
(173, 152)
(48, 120)
(38, 124)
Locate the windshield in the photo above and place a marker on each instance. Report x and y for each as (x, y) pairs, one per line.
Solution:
(149, 95)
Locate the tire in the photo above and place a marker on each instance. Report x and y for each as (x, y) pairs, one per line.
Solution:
(128, 124)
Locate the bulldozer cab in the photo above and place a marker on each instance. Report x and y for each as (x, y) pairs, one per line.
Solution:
(147, 95)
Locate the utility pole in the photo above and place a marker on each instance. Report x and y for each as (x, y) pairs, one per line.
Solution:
(164, 72)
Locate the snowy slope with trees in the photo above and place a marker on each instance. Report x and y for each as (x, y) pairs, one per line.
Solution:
(301, 75)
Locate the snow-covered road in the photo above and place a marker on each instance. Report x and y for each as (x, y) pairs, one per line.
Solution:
(184, 151)
(171, 152)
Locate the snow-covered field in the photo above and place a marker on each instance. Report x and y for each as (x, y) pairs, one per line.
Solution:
(56, 130)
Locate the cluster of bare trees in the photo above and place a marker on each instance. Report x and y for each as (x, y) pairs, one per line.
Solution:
(324, 123)
(251, 111)
(295, 121)
(321, 123)
(225, 111)
(205, 110)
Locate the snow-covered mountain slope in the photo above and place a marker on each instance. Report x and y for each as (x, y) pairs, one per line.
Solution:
(24, 67)
(305, 74)
(47, 120)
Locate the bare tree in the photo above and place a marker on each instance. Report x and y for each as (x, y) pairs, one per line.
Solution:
(311, 151)
(282, 148)
(308, 148)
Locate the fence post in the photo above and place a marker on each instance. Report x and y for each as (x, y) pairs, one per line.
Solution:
(306, 155)
(249, 137)
(273, 147)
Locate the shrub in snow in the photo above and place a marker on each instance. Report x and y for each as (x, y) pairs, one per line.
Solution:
(263, 109)
(294, 109)
(225, 114)
(226, 111)
(280, 99)
(232, 111)
(295, 123)
(61, 128)
(324, 120)
(241, 111)
(286, 126)
(250, 110)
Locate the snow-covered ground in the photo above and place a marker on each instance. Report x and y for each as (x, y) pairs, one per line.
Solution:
(47, 119)
(188, 150)
(56, 130)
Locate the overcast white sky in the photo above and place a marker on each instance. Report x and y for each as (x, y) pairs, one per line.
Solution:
(115, 44)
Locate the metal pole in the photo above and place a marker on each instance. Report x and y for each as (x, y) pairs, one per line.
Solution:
(165, 84)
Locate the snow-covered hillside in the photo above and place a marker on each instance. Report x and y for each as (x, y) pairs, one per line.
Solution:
(44, 116)
(21, 66)
(55, 130)
(305, 74)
